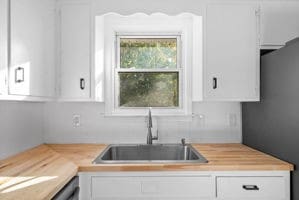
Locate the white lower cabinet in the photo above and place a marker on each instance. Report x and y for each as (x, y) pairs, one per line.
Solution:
(259, 185)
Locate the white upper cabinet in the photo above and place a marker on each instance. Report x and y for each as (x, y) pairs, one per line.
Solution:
(3, 45)
(279, 23)
(38, 53)
(32, 48)
(231, 67)
(74, 51)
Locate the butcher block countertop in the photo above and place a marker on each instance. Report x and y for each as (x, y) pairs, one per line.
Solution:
(41, 172)
(227, 157)
(38, 173)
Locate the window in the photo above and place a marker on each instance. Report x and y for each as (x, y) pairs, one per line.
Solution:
(146, 61)
(148, 71)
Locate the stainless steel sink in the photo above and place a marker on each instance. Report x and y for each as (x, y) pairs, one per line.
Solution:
(156, 153)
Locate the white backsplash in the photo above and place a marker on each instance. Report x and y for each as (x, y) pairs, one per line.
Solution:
(212, 123)
(25, 125)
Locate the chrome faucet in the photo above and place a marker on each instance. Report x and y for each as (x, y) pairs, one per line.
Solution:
(150, 137)
(183, 141)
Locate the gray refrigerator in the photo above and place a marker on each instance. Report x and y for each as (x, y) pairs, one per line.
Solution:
(272, 125)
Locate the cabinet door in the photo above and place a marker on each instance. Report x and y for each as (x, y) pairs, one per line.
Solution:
(32, 60)
(279, 23)
(232, 63)
(75, 51)
(3, 44)
(167, 188)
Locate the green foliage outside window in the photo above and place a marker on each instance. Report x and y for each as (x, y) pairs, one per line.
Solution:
(148, 53)
(148, 89)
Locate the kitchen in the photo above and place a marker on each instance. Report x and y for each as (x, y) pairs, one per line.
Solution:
(59, 96)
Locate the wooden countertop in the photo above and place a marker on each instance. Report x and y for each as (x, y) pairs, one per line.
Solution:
(41, 172)
(221, 157)
(38, 173)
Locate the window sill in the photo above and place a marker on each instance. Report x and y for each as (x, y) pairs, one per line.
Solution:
(159, 116)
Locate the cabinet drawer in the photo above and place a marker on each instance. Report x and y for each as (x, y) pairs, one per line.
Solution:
(142, 187)
(251, 187)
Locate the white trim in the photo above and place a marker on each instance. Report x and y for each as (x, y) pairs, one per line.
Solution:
(7, 97)
(117, 68)
(110, 25)
(243, 173)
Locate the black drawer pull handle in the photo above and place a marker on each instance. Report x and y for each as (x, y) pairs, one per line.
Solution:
(214, 82)
(82, 83)
(250, 187)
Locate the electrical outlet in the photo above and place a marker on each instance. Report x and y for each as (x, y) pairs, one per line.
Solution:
(76, 120)
(201, 120)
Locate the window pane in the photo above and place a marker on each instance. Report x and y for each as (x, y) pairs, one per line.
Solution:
(149, 89)
(148, 53)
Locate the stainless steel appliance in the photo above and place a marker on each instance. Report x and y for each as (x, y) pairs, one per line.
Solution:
(70, 191)
(272, 125)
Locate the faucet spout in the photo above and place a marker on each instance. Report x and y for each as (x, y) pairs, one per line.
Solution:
(150, 121)
(150, 137)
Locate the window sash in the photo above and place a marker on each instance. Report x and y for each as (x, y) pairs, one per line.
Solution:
(179, 69)
(177, 90)
(117, 88)
(145, 36)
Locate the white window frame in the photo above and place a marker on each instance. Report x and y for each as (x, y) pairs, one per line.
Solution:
(179, 69)
(111, 25)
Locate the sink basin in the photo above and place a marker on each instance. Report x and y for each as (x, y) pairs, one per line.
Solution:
(156, 153)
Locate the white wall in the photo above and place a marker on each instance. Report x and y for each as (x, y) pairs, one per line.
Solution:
(24, 125)
(213, 127)
(21, 126)
(211, 123)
